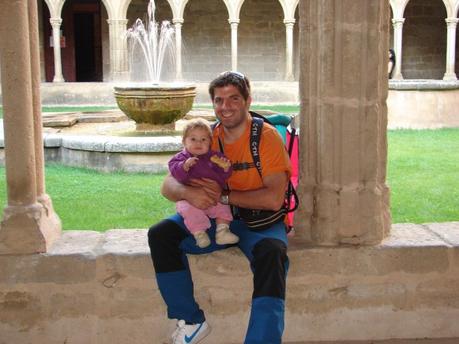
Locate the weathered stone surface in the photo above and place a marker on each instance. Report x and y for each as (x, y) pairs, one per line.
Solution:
(102, 117)
(89, 143)
(448, 232)
(160, 144)
(60, 120)
(105, 281)
(52, 140)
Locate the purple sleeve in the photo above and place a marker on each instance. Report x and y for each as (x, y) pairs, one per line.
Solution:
(176, 167)
(221, 172)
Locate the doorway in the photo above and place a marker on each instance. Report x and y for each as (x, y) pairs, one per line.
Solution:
(81, 42)
(87, 51)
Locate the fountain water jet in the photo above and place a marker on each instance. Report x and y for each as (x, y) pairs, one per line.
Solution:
(153, 105)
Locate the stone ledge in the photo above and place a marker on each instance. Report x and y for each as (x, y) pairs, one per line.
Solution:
(423, 84)
(406, 287)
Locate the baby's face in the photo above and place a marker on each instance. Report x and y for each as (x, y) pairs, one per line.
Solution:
(197, 142)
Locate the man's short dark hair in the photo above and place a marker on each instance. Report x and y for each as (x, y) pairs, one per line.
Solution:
(238, 80)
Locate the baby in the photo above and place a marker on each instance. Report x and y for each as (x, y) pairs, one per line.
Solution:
(196, 161)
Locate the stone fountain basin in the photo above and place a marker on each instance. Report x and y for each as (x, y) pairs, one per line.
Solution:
(155, 104)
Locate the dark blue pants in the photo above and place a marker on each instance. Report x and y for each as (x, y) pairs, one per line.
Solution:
(266, 251)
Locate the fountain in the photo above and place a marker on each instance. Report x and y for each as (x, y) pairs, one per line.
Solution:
(153, 105)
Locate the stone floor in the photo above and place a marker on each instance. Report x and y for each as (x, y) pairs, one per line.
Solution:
(390, 341)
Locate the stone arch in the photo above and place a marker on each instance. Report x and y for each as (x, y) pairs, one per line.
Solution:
(424, 40)
(234, 8)
(55, 7)
(206, 48)
(398, 7)
(289, 7)
(178, 7)
(262, 40)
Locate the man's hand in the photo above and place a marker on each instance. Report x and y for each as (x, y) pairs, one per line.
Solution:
(211, 187)
(199, 198)
(202, 194)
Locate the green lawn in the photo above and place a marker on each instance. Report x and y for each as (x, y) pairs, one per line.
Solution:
(86, 199)
(423, 175)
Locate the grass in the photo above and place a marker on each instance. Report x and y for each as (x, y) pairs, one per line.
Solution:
(86, 199)
(423, 175)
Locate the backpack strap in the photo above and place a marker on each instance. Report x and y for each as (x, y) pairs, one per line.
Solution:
(255, 134)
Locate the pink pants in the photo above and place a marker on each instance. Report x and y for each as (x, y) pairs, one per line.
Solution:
(197, 220)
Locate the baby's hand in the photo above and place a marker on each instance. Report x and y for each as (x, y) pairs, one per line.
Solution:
(227, 164)
(221, 161)
(189, 163)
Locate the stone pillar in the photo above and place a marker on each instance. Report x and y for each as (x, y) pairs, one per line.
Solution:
(56, 25)
(53, 221)
(234, 24)
(398, 34)
(343, 87)
(118, 49)
(25, 227)
(451, 49)
(289, 24)
(178, 48)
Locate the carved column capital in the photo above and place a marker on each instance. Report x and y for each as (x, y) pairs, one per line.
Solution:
(398, 21)
(55, 22)
(116, 22)
(289, 22)
(451, 21)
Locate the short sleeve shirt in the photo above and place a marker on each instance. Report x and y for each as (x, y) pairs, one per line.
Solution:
(273, 157)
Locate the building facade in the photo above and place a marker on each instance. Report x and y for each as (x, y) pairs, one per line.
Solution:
(83, 40)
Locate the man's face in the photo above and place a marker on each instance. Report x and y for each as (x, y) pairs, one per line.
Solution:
(230, 107)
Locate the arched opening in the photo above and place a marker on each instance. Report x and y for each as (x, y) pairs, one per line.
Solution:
(262, 40)
(206, 36)
(81, 41)
(424, 40)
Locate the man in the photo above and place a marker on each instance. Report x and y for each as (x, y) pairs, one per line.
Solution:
(266, 250)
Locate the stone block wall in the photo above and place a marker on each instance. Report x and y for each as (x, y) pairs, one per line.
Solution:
(424, 40)
(100, 288)
(262, 40)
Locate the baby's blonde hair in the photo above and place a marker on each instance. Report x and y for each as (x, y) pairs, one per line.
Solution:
(197, 123)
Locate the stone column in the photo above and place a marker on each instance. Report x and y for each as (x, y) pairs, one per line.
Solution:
(234, 24)
(118, 49)
(53, 221)
(398, 34)
(289, 24)
(25, 227)
(56, 25)
(178, 48)
(451, 49)
(343, 87)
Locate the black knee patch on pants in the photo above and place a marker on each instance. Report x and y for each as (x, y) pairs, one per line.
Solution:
(164, 239)
(269, 266)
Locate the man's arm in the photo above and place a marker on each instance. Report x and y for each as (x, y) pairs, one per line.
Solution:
(270, 197)
(196, 196)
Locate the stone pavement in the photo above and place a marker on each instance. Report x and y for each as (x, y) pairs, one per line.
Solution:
(390, 341)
